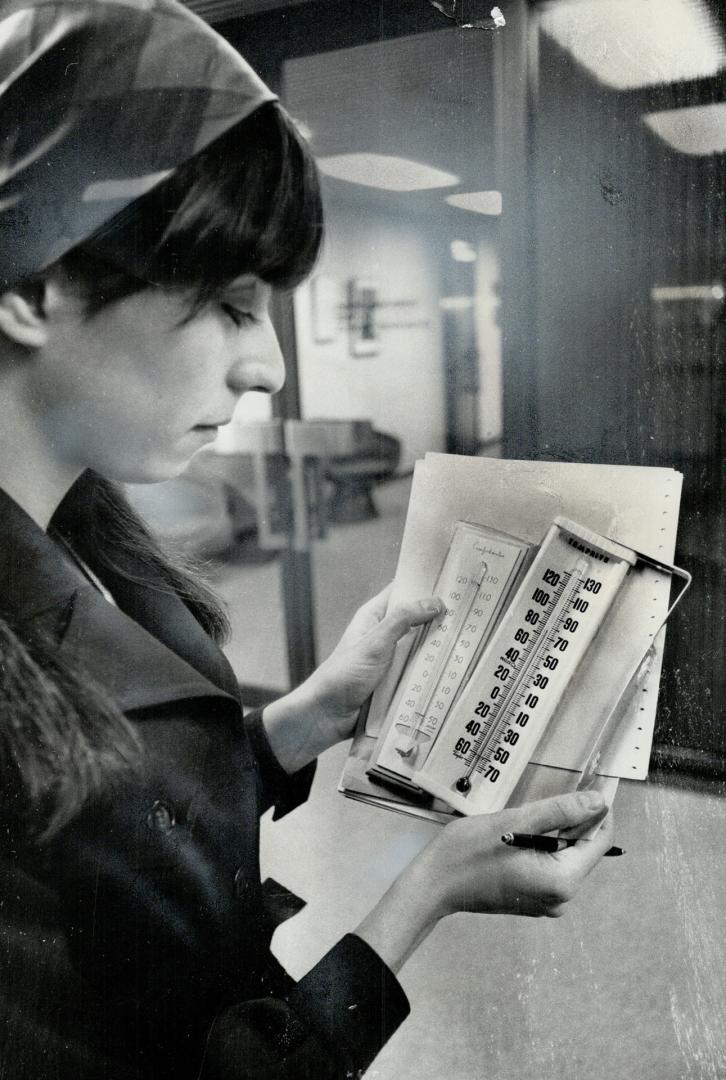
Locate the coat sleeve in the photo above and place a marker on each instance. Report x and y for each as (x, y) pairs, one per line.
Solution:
(280, 789)
(335, 1020)
(330, 1026)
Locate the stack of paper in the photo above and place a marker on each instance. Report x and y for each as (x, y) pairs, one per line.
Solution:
(636, 506)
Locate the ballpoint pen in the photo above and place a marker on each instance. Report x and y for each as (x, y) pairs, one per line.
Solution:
(549, 844)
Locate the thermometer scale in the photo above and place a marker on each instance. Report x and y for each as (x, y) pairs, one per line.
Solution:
(502, 712)
(478, 575)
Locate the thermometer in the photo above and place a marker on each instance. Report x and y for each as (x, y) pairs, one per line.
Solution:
(478, 574)
(503, 711)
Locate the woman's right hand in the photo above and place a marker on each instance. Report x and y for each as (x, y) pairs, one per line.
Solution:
(468, 868)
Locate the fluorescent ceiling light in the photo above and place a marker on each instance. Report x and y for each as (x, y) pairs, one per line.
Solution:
(479, 202)
(626, 44)
(700, 129)
(385, 171)
(661, 293)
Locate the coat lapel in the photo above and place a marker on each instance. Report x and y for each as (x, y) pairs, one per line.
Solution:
(137, 669)
(169, 621)
(147, 651)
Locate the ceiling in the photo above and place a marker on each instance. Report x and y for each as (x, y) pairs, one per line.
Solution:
(427, 98)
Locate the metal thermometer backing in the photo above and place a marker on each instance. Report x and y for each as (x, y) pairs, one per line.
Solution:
(501, 715)
(479, 570)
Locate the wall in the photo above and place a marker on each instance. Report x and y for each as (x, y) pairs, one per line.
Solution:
(401, 388)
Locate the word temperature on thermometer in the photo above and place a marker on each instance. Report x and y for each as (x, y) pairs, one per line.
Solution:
(499, 718)
(479, 571)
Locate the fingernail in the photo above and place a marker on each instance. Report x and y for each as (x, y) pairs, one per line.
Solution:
(591, 800)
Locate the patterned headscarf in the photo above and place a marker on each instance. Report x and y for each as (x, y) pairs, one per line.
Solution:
(99, 101)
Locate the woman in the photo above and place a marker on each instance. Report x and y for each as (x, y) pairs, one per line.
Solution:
(150, 199)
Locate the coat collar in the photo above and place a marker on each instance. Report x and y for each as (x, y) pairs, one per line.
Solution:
(146, 652)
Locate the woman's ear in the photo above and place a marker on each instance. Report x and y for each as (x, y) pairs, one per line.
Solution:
(22, 315)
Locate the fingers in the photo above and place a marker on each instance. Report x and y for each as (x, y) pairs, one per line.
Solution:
(560, 812)
(405, 616)
(564, 872)
(579, 860)
(380, 631)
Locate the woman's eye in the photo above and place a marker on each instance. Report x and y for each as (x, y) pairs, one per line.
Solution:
(237, 315)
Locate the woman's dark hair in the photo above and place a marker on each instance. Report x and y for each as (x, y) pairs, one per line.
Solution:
(248, 203)
(99, 524)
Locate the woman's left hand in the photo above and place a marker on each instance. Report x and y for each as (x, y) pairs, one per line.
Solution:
(363, 655)
(323, 710)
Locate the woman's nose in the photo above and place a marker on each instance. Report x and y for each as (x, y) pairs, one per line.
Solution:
(259, 364)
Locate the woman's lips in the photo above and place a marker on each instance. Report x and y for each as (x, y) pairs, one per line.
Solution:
(208, 432)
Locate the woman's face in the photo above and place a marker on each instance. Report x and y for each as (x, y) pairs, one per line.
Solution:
(135, 391)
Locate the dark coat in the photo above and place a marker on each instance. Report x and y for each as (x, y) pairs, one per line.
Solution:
(136, 943)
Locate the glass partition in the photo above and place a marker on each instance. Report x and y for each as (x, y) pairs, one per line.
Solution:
(525, 257)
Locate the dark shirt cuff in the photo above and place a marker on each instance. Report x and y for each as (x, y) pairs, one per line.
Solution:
(353, 1000)
(282, 790)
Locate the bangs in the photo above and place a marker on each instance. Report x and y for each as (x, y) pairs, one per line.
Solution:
(249, 203)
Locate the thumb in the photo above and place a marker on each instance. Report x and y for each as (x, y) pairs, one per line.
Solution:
(561, 812)
(403, 617)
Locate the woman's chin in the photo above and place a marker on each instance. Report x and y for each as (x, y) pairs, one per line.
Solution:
(150, 472)
(166, 464)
